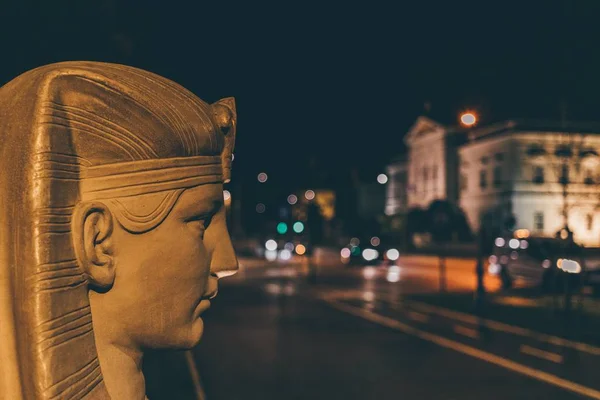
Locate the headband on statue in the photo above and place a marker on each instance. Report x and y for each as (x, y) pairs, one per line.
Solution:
(149, 176)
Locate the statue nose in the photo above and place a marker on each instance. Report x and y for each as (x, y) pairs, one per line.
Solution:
(224, 262)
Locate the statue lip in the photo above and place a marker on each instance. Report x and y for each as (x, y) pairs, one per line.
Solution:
(211, 295)
(202, 306)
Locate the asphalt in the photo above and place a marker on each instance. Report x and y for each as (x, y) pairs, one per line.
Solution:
(273, 333)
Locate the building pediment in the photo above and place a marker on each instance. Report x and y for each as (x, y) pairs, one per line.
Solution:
(422, 127)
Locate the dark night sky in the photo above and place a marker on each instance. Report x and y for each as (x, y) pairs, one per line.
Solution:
(335, 84)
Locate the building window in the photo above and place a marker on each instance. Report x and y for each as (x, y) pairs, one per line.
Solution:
(590, 222)
(463, 182)
(434, 172)
(497, 176)
(538, 174)
(499, 157)
(425, 174)
(483, 179)
(485, 160)
(564, 174)
(588, 179)
(538, 221)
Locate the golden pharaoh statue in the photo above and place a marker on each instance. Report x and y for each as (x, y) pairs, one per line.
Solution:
(112, 226)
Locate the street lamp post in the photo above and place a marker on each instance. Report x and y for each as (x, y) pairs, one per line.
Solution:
(468, 119)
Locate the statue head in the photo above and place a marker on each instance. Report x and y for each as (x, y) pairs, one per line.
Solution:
(112, 222)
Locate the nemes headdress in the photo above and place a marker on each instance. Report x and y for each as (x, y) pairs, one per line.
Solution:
(79, 132)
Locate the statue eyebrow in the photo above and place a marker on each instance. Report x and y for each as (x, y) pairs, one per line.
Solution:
(206, 206)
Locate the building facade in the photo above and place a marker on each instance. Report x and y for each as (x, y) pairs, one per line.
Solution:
(432, 162)
(396, 195)
(546, 176)
(543, 176)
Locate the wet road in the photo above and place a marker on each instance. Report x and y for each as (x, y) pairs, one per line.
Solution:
(355, 333)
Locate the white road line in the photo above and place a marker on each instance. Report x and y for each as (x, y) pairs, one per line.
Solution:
(465, 331)
(469, 350)
(546, 355)
(502, 327)
(417, 316)
(189, 358)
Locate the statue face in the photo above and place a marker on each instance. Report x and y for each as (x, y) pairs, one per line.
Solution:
(165, 278)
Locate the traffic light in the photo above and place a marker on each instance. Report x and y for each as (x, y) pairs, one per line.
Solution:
(282, 228)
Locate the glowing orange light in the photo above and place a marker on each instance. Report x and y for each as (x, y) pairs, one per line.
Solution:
(468, 119)
(300, 249)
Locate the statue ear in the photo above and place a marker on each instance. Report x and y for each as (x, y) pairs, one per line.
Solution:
(92, 227)
(225, 117)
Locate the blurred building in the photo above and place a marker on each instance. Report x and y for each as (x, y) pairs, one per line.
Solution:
(432, 162)
(546, 175)
(537, 175)
(396, 196)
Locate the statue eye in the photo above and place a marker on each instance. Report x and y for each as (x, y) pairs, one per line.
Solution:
(200, 223)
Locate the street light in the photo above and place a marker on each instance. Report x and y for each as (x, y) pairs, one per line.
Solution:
(468, 119)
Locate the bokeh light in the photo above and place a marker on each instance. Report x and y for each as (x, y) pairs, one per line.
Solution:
(309, 194)
(260, 208)
(298, 227)
(393, 274)
(494, 269)
(382, 179)
(369, 272)
(271, 245)
(289, 246)
(226, 195)
(354, 242)
(285, 254)
(375, 241)
(345, 253)
(368, 296)
(271, 255)
(370, 254)
(292, 199)
(262, 177)
(282, 228)
(300, 249)
(392, 254)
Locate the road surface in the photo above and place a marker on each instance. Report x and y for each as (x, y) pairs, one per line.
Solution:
(360, 333)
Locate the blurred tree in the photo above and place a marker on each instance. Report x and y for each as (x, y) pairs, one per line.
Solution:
(446, 222)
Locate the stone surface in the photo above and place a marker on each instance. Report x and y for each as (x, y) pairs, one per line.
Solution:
(112, 226)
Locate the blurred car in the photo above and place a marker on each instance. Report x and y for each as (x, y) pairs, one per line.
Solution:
(536, 261)
(367, 251)
(286, 248)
